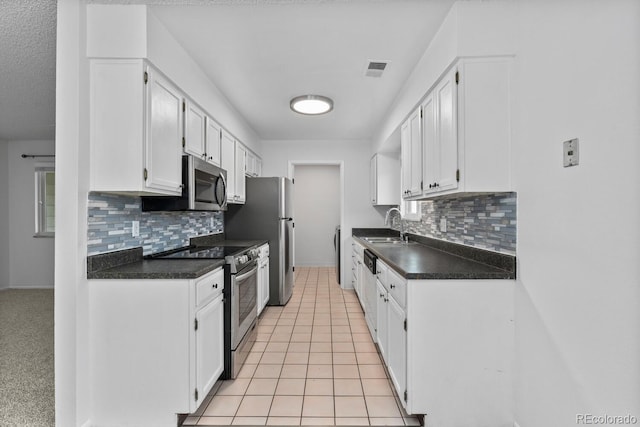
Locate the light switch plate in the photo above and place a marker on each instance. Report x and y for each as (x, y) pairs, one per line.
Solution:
(571, 153)
(135, 228)
(443, 225)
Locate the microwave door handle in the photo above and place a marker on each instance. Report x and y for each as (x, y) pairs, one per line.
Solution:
(224, 189)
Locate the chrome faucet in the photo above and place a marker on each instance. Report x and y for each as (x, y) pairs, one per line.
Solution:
(387, 222)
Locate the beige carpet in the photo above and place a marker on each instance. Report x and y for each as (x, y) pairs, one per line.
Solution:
(26, 358)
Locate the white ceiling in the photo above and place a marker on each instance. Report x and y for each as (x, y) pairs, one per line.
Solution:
(27, 69)
(260, 53)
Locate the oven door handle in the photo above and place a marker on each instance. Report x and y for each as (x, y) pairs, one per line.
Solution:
(247, 274)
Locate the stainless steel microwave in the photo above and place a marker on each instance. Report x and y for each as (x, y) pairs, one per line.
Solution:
(204, 188)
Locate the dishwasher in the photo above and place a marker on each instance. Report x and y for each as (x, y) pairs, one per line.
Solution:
(370, 293)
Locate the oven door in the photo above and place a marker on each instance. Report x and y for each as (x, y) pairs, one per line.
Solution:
(244, 299)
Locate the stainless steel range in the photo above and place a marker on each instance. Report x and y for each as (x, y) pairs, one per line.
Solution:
(240, 297)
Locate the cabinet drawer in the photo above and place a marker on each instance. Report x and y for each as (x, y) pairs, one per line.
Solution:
(208, 286)
(382, 274)
(397, 287)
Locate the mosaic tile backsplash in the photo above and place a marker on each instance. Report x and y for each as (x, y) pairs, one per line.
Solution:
(486, 221)
(109, 225)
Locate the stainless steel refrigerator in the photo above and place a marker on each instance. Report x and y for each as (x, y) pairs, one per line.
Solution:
(268, 214)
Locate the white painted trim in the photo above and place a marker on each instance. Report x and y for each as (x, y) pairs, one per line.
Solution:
(291, 166)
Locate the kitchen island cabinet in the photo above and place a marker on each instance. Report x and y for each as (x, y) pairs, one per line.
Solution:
(156, 347)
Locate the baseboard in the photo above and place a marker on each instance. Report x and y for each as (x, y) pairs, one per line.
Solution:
(17, 288)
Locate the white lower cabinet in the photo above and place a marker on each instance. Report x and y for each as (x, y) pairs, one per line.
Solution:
(383, 328)
(263, 277)
(209, 341)
(397, 345)
(357, 267)
(155, 347)
(448, 347)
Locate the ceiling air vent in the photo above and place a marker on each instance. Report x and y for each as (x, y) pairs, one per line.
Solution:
(376, 68)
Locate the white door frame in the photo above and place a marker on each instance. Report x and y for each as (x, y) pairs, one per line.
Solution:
(291, 170)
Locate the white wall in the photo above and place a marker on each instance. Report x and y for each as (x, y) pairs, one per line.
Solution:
(72, 376)
(30, 258)
(577, 296)
(4, 216)
(133, 31)
(357, 209)
(317, 213)
(469, 29)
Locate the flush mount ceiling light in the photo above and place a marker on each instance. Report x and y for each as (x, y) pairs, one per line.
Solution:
(311, 104)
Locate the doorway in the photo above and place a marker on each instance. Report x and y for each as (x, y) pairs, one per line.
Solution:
(317, 210)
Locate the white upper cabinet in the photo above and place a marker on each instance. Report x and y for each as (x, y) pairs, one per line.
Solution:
(213, 137)
(464, 133)
(384, 180)
(164, 134)
(194, 130)
(240, 183)
(411, 142)
(252, 161)
(439, 125)
(254, 164)
(228, 163)
(136, 129)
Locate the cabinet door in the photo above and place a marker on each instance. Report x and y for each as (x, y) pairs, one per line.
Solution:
(241, 159)
(447, 125)
(415, 136)
(405, 159)
(397, 348)
(373, 181)
(430, 160)
(209, 347)
(251, 164)
(194, 130)
(265, 283)
(163, 143)
(228, 163)
(383, 334)
(213, 137)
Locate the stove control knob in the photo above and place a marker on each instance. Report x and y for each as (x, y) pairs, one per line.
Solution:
(242, 259)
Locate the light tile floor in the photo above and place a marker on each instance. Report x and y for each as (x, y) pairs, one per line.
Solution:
(314, 363)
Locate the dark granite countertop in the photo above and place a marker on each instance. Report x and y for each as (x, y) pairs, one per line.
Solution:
(130, 263)
(426, 258)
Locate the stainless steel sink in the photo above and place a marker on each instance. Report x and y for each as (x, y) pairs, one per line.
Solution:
(382, 239)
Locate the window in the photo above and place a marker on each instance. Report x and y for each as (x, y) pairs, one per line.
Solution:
(411, 210)
(45, 214)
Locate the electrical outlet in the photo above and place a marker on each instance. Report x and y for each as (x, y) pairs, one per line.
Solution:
(571, 154)
(443, 225)
(135, 228)
(211, 223)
